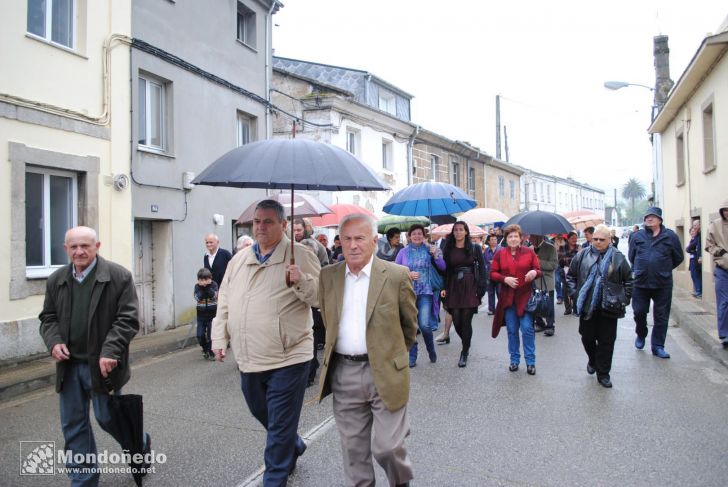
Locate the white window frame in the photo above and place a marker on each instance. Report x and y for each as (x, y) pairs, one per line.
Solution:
(48, 34)
(501, 187)
(36, 272)
(512, 187)
(147, 114)
(252, 128)
(454, 171)
(352, 141)
(433, 166)
(387, 155)
(387, 102)
(708, 127)
(244, 33)
(471, 179)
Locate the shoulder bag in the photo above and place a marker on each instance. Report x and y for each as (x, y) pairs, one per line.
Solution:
(538, 304)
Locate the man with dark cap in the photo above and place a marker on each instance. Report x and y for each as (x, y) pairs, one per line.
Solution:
(654, 252)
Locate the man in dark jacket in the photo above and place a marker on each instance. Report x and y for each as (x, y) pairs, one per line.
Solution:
(654, 252)
(216, 259)
(90, 314)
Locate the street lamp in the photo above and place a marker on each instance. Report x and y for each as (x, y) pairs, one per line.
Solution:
(615, 85)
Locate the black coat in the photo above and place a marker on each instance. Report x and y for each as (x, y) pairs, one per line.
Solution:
(219, 265)
(113, 320)
(619, 272)
(653, 259)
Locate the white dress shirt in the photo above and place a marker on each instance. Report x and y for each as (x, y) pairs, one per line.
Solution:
(211, 257)
(352, 338)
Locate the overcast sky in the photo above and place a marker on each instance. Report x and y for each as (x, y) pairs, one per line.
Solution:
(547, 59)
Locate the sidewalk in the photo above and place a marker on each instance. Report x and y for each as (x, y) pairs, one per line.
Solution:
(699, 321)
(35, 374)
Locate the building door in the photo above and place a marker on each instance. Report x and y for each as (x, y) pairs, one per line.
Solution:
(144, 274)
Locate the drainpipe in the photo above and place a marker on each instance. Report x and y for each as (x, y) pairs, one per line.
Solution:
(410, 158)
(268, 59)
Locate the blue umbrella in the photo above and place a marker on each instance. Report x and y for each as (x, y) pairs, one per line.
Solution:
(428, 199)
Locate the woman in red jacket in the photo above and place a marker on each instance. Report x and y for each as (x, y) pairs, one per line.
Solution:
(516, 266)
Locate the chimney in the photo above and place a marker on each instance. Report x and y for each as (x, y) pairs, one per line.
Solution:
(663, 83)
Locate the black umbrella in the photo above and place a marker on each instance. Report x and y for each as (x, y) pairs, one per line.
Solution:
(540, 222)
(291, 164)
(443, 219)
(127, 427)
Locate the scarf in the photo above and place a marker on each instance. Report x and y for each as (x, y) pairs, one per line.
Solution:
(418, 260)
(594, 283)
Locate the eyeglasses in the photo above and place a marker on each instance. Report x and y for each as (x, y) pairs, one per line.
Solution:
(595, 239)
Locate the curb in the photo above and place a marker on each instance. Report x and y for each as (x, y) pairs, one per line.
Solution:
(697, 325)
(36, 374)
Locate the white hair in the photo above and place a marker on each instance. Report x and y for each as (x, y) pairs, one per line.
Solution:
(242, 240)
(83, 230)
(372, 223)
(602, 228)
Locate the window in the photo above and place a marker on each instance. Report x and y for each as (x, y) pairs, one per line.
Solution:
(50, 209)
(471, 179)
(534, 195)
(680, 158)
(455, 175)
(542, 193)
(548, 193)
(152, 116)
(246, 128)
(708, 138)
(387, 154)
(246, 25)
(387, 102)
(352, 141)
(513, 189)
(501, 186)
(434, 160)
(53, 20)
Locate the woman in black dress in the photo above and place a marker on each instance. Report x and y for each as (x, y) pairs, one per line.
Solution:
(465, 283)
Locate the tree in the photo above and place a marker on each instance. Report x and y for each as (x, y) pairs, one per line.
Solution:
(633, 190)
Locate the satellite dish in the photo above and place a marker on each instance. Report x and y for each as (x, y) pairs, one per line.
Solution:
(121, 182)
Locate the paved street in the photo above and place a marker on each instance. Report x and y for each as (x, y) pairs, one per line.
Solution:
(662, 423)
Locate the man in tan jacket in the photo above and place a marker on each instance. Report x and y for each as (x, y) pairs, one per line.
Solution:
(369, 311)
(269, 327)
(716, 244)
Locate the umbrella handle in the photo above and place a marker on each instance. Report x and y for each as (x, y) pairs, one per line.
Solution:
(292, 262)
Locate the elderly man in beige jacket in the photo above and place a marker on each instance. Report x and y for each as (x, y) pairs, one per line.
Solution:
(716, 244)
(269, 327)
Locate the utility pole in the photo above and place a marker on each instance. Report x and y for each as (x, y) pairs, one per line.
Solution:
(505, 136)
(497, 128)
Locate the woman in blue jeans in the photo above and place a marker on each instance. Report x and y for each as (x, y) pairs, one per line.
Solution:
(515, 267)
(419, 257)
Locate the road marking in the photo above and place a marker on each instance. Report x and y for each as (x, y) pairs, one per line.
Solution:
(256, 479)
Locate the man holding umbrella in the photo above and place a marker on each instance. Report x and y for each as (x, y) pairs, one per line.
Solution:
(89, 316)
(269, 325)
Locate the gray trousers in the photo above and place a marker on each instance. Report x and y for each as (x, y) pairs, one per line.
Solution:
(367, 427)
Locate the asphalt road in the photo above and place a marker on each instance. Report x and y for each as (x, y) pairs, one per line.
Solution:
(663, 423)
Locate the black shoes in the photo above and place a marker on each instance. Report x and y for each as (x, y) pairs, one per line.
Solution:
(513, 367)
(538, 328)
(549, 332)
(433, 357)
(567, 312)
(531, 369)
(589, 369)
(463, 359)
(442, 339)
(605, 382)
(300, 450)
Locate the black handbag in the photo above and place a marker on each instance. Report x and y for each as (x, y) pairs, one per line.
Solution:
(614, 300)
(539, 302)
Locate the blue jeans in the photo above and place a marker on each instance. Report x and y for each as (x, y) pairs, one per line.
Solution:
(275, 398)
(424, 316)
(721, 301)
(491, 296)
(662, 299)
(525, 323)
(77, 432)
(696, 274)
(560, 280)
(204, 328)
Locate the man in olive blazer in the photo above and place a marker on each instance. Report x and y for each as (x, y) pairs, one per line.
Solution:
(368, 307)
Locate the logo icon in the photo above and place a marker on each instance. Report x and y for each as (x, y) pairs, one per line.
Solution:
(37, 457)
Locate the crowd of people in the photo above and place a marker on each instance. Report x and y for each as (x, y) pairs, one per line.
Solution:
(362, 303)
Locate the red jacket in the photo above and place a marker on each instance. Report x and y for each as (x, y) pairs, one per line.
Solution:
(506, 265)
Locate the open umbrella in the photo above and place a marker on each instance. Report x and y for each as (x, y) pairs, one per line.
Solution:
(483, 216)
(447, 229)
(587, 220)
(403, 223)
(291, 164)
(303, 205)
(541, 222)
(428, 199)
(338, 212)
